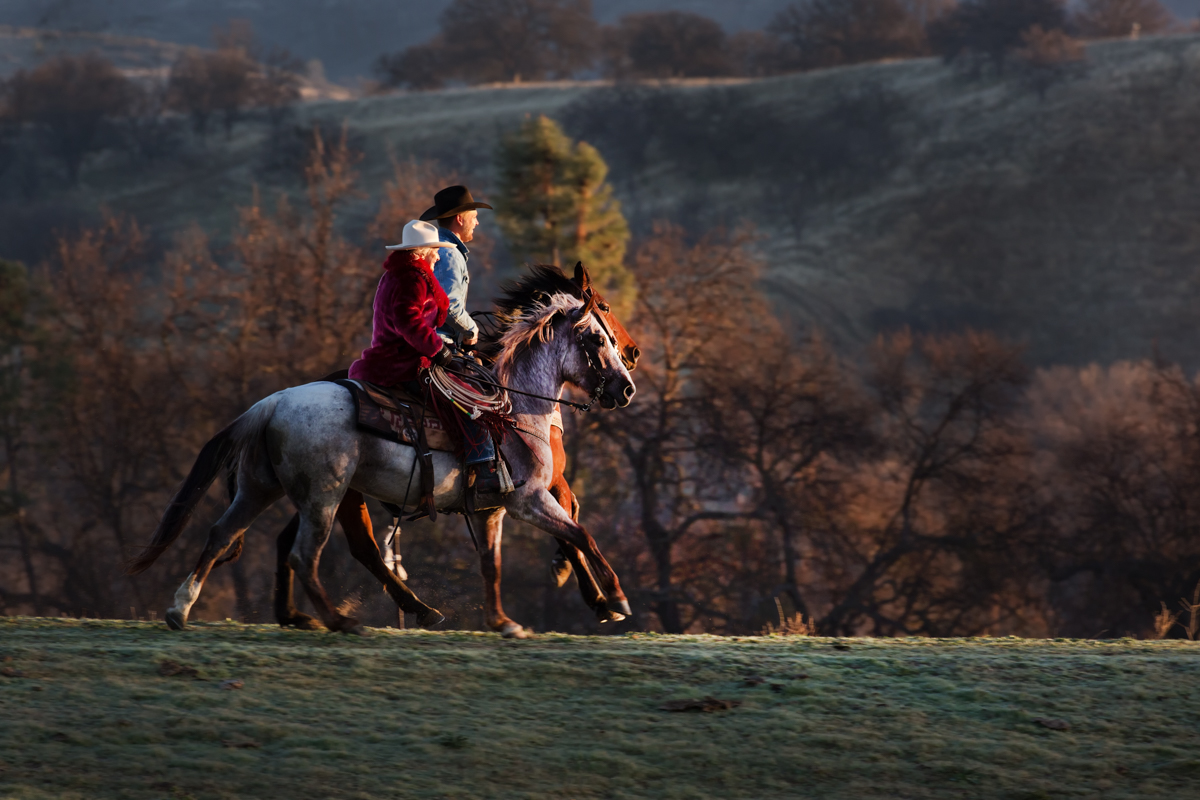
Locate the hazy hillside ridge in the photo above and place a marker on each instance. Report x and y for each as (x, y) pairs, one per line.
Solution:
(136, 57)
(345, 35)
(885, 194)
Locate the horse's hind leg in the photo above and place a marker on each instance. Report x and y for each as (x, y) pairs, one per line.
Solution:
(356, 524)
(315, 523)
(286, 613)
(249, 503)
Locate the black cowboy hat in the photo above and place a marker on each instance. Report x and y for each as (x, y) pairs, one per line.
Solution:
(450, 201)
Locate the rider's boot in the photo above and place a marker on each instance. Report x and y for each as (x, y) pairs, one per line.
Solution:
(490, 482)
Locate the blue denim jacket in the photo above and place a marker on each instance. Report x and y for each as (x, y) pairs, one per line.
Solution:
(451, 272)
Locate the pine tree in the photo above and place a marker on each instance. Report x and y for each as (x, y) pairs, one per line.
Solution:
(555, 207)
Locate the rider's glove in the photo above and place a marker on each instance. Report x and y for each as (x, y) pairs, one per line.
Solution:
(443, 356)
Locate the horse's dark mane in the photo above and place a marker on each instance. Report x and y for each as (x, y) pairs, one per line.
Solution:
(531, 289)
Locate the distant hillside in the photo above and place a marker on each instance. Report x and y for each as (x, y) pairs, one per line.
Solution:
(345, 35)
(139, 58)
(885, 194)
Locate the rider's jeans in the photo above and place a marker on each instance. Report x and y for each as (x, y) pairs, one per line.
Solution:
(477, 443)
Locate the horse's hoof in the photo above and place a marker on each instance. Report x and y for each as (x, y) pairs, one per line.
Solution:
(430, 618)
(344, 625)
(619, 607)
(176, 621)
(357, 630)
(511, 630)
(301, 621)
(608, 615)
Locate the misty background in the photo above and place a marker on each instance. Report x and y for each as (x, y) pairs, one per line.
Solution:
(964, 257)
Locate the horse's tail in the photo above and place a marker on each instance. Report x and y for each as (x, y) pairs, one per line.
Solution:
(237, 442)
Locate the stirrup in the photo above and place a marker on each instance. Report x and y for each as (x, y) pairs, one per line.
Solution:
(499, 483)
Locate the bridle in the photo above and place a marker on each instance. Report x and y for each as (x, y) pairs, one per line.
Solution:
(592, 301)
(580, 339)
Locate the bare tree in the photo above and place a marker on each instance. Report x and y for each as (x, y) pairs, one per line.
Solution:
(694, 302)
(30, 371)
(790, 419)
(277, 87)
(149, 132)
(666, 44)
(945, 503)
(203, 84)
(422, 66)
(979, 32)
(499, 40)
(69, 99)
(1098, 19)
(1047, 57)
(1123, 467)
(826, 33)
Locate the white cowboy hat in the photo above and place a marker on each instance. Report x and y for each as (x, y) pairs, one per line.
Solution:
(418, 234)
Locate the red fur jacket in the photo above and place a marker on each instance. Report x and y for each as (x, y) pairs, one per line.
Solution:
(409, 307)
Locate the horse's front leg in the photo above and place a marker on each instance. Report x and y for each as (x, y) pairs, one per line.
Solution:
(539, 508)
(560, 565)
(490, 524)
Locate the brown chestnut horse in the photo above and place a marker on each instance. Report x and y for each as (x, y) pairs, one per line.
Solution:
(355, 519)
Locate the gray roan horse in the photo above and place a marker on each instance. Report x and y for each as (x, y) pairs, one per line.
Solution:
(303, 443)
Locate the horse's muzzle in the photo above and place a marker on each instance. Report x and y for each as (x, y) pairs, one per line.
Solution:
(618, 395)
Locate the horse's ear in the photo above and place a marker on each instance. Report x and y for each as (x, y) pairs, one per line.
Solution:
(582, 278)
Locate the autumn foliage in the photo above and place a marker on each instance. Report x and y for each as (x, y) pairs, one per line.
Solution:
(929, 485)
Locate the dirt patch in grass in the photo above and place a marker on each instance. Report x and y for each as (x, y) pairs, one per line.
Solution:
(467, 715)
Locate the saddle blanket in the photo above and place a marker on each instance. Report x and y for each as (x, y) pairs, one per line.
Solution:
(394, 414)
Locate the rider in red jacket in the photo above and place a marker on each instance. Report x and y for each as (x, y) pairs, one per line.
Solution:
(409, 307)
(410, 304)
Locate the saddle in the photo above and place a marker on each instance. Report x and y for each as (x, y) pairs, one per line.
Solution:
(394, 414)
(397, 415)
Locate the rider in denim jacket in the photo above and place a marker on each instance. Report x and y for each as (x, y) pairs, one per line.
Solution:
(456, 215)
(455, 212)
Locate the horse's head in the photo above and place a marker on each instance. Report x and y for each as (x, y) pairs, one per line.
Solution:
(596, 365)
(546, 306)
(612, 326)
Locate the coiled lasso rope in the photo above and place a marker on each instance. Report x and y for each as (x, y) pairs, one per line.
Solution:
(471, 387)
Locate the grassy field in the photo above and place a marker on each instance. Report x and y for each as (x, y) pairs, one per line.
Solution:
(87, 713)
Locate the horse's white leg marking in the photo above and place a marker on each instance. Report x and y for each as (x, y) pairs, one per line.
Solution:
(186, 596)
